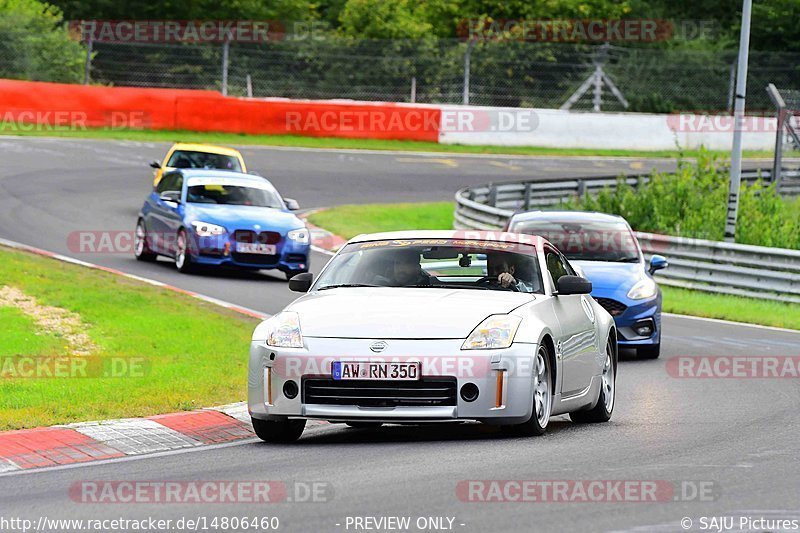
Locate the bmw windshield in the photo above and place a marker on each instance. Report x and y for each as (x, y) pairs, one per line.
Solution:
(586, 240)
(232, 192)
(434, 263)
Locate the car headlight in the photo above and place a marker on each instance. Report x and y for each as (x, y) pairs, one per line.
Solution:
(497, 331)
(645, 288)
(205, 229)
(281, 331)
(300, 236)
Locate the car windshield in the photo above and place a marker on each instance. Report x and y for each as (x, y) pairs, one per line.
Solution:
(188, 159)
(433, 263)
(586, 240)
(232, 194)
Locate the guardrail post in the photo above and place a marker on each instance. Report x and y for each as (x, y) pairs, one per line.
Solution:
(581, 188)
(526, 203)
(226, 46)
(492, 200)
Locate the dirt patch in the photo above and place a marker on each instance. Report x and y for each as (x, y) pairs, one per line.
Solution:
(53, 320)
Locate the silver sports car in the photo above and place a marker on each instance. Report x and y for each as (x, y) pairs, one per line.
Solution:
(435, 326)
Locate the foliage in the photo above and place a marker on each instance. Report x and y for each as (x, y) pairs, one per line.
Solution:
(35, 45)
(693, 203)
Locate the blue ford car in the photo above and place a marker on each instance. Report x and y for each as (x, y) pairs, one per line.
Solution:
(221, 218)
(605, 248)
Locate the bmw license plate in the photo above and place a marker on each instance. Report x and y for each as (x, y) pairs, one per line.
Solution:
(255, 248)
(368, 370)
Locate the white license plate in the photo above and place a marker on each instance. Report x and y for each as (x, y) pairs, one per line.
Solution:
(375, 370)
(256, 248)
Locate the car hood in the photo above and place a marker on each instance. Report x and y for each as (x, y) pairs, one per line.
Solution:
(244, 217)
(610, 275)
(397, 313)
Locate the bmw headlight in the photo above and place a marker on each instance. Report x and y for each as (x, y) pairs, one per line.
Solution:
(645, 288)
(300, 236)
(497, 331)
(205, 229)
(281, 331)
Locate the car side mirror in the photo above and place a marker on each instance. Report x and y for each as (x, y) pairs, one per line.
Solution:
(155, 164)
(573, 285)
(291, 204)
(301, 282)
(657, 262)
(171, 196)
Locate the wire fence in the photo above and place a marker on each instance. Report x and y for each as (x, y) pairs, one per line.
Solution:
(513, 74)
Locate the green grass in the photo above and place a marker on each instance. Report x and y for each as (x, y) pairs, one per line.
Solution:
(195, 354)
(350, 220)
(20, 336)
(739, 309)
(333, 142)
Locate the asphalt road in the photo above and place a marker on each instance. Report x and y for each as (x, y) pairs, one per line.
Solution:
(736, 438)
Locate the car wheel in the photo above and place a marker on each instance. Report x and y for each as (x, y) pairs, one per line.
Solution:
(364, 425)
(288, 430)
(608, 393)
(649, 352)
(140, 248)
(542, 397)
(183, 258)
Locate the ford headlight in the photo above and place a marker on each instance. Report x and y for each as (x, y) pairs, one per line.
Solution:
(645, 288)
(497, 331)
(300, 236)
(281, 331)
(205, 229)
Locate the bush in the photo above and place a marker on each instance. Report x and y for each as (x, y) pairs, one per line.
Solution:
(693, 203)
(35, 45)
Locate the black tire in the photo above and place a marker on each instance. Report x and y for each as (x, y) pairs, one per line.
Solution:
(141, 249)
(288, 430)
(184, 264)
(649, 352)
(603, 410)
(364, 425)
(534, 426)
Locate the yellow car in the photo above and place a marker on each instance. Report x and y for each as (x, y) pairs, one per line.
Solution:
(185, 155)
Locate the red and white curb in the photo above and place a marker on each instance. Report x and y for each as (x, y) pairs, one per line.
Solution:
(109, 439)
(94, 441)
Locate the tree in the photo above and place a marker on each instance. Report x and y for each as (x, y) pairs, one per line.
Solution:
(36, 45)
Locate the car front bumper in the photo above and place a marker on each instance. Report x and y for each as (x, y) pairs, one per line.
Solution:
(647, 312)
(508, 371)
(290, 256)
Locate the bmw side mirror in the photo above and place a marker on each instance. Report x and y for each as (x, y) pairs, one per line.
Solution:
(301, 282)
(155, 164)
(173, 197)
(657, 262)
(291, 204)
(573, 285)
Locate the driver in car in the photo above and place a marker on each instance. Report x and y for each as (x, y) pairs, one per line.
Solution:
(403, 270)
(501, 266)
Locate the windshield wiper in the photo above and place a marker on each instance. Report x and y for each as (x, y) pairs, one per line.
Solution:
(447, 286)
(347, 285)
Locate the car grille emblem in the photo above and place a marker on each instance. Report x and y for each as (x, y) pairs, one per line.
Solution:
(377, 346)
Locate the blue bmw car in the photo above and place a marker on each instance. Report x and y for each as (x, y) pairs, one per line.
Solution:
(605, 248)
(221, 218)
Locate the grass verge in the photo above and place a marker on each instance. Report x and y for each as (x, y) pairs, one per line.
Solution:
(334, 143)
(350, 220)
(188, 353)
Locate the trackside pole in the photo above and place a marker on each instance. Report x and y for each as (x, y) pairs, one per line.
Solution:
(738, 114)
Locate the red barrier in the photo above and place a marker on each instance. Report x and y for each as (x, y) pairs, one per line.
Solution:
(80, 107)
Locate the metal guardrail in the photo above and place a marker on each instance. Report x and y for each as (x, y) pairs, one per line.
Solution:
(720, 267)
